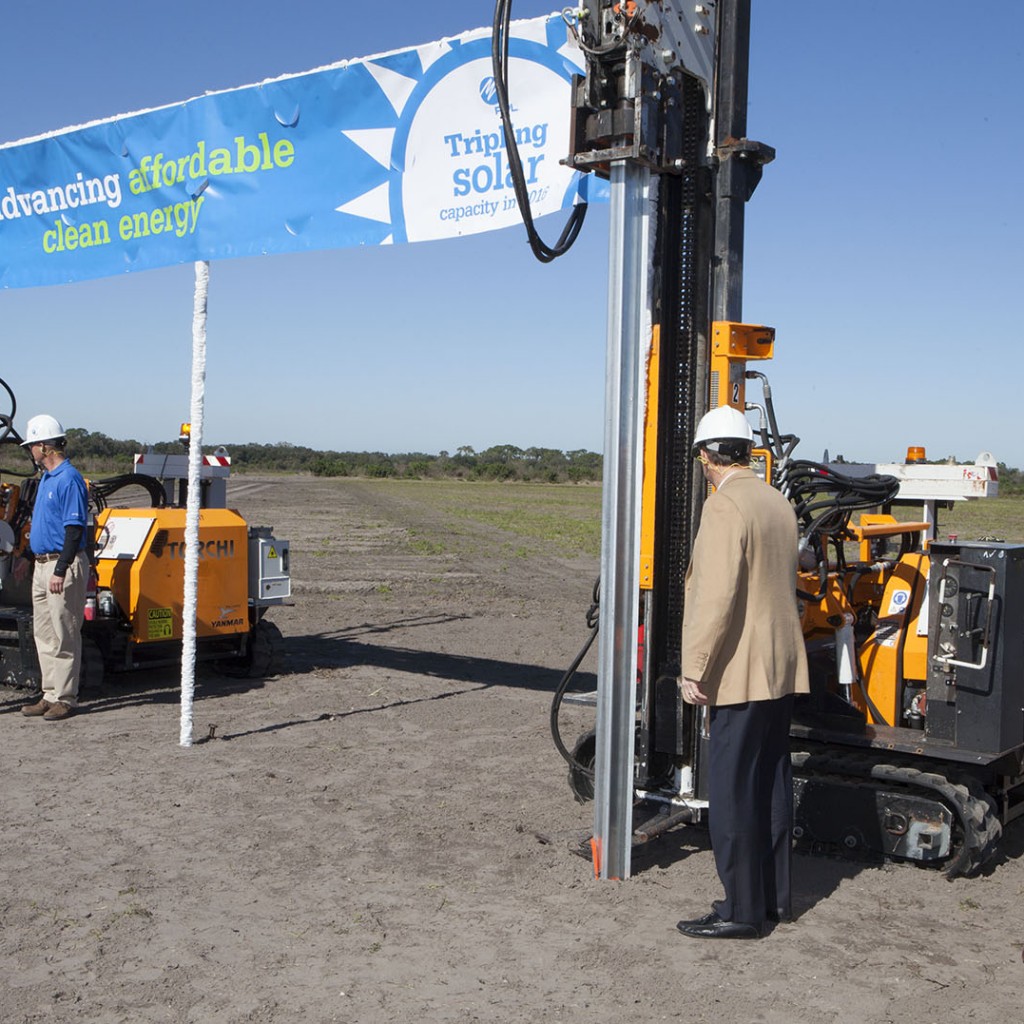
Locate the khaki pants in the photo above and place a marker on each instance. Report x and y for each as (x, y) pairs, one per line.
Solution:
(57, 624)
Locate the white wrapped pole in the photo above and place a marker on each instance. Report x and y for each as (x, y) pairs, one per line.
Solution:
(195, 465)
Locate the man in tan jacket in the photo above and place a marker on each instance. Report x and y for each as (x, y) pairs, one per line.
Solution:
(743, 657)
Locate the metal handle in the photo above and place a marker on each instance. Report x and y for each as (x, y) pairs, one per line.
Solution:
(984, 629)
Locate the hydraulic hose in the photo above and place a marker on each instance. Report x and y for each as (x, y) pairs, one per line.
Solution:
(824, 499)
(499, 60)
(101, 490)
(563, 686)
(7, 421)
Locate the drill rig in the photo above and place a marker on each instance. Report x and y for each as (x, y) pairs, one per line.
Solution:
(911, 744)
(134, 606)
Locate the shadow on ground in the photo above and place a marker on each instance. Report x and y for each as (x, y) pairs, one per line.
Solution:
(342, 649)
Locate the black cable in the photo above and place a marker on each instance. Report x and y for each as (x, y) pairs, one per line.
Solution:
(875, 713)
(101, 490)
(556, 705)
(499, 60)
(7, 421)
(824, 499)
(822, 585)
(556, 701)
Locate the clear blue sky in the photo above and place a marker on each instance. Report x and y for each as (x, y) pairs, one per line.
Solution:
(884, 245)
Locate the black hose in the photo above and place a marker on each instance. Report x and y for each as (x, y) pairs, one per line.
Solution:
(7, 421)
(556, 704)
(102, 490)
(499, 60)
(875, 713)
(824, 499)
(822, 585)
(563, 686)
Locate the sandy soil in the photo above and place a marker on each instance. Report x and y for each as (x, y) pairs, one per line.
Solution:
(382, 832)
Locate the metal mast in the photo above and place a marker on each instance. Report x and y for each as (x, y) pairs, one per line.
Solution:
(628, 126)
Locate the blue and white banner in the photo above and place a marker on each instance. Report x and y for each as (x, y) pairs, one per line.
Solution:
(402, 147)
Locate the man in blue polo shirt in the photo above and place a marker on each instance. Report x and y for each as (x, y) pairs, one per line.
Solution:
(61, 575)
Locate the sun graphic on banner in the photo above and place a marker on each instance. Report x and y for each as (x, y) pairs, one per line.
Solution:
(396, 87)
(429, 154)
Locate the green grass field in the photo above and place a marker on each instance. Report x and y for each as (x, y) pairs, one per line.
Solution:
(985, 518)
(570, 515)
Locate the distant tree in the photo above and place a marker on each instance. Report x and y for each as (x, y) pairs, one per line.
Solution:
(99, 455)
(325, 466)
(1011, 481)
(494, 471)
(503, 453)
(584, 465)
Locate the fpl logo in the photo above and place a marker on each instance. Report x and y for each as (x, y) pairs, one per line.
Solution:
(489, 91)
(489, 94)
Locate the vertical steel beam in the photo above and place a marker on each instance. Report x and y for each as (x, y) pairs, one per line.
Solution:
(627, 344)
(733, 185)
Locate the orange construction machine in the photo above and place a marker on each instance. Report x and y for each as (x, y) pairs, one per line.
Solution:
(135, 605)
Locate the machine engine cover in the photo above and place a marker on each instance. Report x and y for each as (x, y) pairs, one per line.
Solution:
(147, 576)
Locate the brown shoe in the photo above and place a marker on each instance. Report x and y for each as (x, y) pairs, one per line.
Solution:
(58, 710)
(36, 710)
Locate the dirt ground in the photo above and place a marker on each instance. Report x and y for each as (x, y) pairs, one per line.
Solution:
(382, 832)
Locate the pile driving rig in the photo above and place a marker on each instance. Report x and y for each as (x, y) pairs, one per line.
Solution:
(137, 552)
(911, 744)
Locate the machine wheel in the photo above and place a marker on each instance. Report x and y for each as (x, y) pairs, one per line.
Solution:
(581, 773)
(982, 828)
(262, 656)
(90, 678)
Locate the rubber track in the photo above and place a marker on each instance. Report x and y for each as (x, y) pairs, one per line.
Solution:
(962, 793)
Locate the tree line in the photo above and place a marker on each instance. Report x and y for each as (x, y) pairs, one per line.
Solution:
(1011, 481)
(96, 453)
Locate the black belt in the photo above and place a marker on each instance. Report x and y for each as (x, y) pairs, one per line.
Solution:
(50, 556)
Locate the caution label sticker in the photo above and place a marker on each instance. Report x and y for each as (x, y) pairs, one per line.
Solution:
(899, 602)
(161, 624)
(886, 634)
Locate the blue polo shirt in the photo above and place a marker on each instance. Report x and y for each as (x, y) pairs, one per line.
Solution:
(61, 500)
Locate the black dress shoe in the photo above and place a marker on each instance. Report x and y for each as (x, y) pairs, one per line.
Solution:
(711, 926)
(700, 922)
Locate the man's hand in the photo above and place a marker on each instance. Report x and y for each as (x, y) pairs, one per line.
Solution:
(691, 691)
(56, 584)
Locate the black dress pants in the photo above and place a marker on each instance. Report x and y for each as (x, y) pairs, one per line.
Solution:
(750, 793)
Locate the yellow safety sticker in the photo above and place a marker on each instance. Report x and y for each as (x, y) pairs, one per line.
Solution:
(161, 624)
(272, 553)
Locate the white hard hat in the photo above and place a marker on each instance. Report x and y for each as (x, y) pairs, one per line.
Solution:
(42, 428)
(724, 424)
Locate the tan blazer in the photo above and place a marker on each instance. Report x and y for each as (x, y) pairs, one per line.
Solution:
(741, 629)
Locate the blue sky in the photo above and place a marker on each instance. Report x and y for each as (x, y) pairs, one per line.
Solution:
(883, 244)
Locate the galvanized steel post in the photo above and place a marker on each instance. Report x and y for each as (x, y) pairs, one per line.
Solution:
(627, 346)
